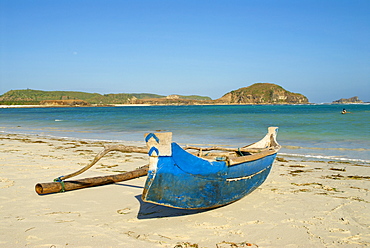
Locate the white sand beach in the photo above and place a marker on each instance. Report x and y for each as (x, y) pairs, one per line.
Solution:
(301, 204)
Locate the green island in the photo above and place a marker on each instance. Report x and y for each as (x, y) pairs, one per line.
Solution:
(259, 93)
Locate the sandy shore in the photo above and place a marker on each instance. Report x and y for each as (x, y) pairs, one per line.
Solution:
(65, 106)
(302, 204)
(22, 106)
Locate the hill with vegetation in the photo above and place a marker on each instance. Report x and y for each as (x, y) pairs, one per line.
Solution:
(259, 93)
(262, 93)
(28, 96)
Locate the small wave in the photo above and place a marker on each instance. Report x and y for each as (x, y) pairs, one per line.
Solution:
(325, 157)
(327, 148)
(58, 120)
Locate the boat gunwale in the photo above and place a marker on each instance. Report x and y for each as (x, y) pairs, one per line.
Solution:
(253, 157)
(255, 152)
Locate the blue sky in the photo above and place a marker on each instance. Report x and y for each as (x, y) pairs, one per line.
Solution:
(319, 48)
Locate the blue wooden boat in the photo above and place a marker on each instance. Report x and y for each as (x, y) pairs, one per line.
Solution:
(203, 178)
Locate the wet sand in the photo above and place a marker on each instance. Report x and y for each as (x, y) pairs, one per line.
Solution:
(301, 204)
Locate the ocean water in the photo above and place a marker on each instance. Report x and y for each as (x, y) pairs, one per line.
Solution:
(305, 131)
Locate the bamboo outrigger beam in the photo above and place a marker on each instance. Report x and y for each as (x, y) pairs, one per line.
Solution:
(59, 185)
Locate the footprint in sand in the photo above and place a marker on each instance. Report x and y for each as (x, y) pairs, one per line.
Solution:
(124, 211)
(5, 183)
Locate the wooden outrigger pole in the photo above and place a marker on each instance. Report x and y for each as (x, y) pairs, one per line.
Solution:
(59, 185)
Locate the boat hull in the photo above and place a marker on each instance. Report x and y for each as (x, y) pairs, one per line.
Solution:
(182, 180)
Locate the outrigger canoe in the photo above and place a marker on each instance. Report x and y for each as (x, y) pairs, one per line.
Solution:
(187, 178)
(204, 178)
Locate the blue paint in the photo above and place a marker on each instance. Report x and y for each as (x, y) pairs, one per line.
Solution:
(196, 166)
(153, 149)
(250, 168)
(151, 135)
(186, 181)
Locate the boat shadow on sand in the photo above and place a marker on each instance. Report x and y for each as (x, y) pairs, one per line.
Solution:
(150, 210)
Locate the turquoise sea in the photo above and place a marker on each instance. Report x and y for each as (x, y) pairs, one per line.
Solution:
(305, 131)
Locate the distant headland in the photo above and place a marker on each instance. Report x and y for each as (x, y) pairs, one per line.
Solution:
(262, 93)
(259, 93)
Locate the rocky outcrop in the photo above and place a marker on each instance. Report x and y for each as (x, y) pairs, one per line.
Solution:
(262, 93)
(172, 101)
(349, 100)
(173, 97)
(64, 103)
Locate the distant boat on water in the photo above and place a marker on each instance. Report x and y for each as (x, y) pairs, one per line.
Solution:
(344, 111)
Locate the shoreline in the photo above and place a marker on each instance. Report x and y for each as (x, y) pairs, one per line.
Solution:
(295, 157)
(67, 106)
(290, 155)
(301, 204)
(146, 105)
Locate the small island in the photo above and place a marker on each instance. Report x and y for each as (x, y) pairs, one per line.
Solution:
(348, 100)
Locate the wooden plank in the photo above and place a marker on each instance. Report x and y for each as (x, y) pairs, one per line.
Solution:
(242, 159)
(215, 148)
